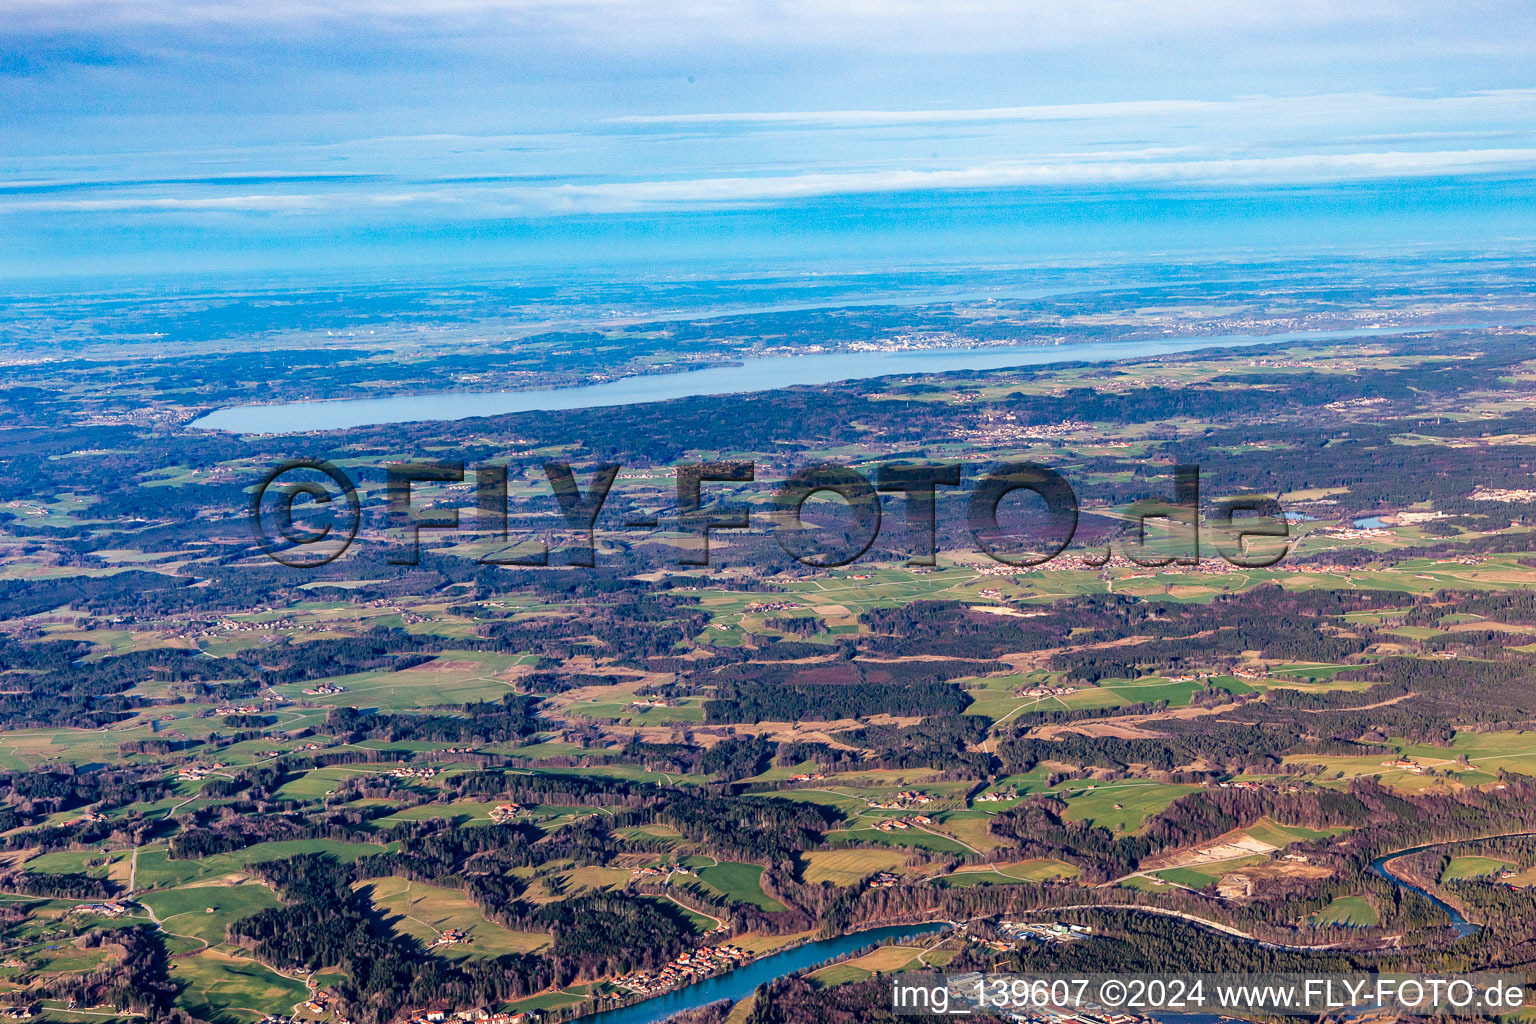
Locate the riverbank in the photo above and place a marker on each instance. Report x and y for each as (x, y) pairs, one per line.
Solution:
(740, 983)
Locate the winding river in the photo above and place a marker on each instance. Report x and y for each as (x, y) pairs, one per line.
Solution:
(740, 983)
(1461, 924)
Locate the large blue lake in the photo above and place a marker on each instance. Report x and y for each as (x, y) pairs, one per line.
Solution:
(767, 373)
(740, 983)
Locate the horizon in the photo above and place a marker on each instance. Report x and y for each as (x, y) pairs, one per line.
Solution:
(180, 139)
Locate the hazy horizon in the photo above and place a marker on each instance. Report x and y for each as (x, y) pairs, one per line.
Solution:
(174, 139)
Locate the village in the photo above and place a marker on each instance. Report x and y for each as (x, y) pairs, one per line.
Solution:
(686, 968)
(901, 801)
(903, 824)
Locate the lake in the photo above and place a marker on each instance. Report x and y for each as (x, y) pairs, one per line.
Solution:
(740, 983)
(767, 373)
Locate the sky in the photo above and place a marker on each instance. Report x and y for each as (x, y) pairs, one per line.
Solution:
(151, 137)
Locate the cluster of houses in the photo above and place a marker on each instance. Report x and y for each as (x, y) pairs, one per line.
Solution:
(651, 702)
(654, 872)
(407, 771)
(807, 776)
(1406, 763)
(237, 626)
(902, 824)
(1289, 787)
(198, 772)
(501, 814)
(113, 909)
(279, 753)
(1002, 794)
(318, 1003)
(242, 709)
(771, 606)
(883, 880)
(901, 801)
(1352, 532)
(19, 1013)
(452, 937)
(687, 967)
(1048, 691)
(323, 690)
(481, 1016)
(1007, 428)
(13, 962)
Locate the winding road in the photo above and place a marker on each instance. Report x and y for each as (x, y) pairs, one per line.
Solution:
(1216, 926)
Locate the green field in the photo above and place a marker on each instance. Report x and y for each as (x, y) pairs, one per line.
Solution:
(458, 811)
(185, 911)
(157, 870)
(1280, 836)
(454, 677)
(314, 785)
(739, 882)
(1348, 911)
(1201, 875)
(846, 867)
(1036, 870)
(69, 861)
(425, 911)
(223, 989)
(1138, 800)
(1474, 867)
(914, 838)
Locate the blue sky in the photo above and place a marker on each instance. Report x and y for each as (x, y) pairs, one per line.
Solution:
(146, 136)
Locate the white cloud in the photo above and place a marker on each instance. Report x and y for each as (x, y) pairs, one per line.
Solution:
(1485, 102)
(315, 203)
(1299, 169)
(474, 201)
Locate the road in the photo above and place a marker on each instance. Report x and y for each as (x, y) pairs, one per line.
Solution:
(1225, 929)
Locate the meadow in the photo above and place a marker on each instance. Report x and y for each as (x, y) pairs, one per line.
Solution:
(425, 911)
(223, 989)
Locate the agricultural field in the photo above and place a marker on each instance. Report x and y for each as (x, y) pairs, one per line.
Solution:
(739, 882)
(1042, 870)
(847, 867)
(628, 760)
(1349, 912)
(425, 912)
(1118, 806)
(223, 989)
(204, 912)
(1472, 866)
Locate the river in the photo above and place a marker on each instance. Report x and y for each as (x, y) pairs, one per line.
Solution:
(1461, 924)
(740, 983)
(766, 373)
